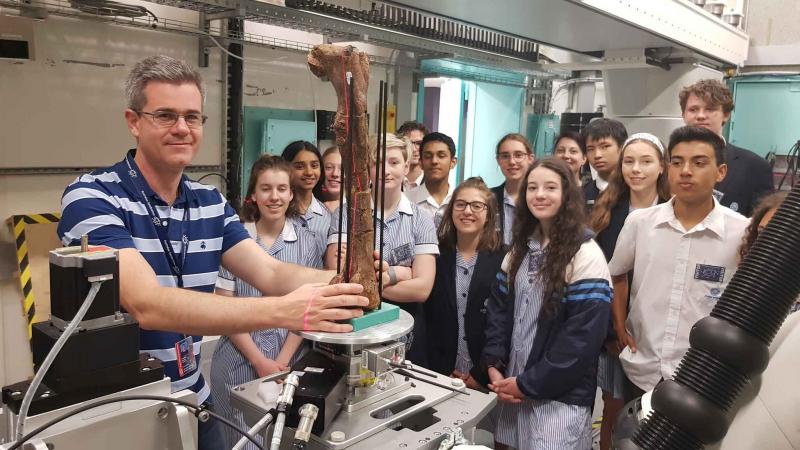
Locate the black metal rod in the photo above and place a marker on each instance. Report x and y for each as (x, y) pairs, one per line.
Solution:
(377, 164)
(350, 203)
(385, 101)
(341, 215)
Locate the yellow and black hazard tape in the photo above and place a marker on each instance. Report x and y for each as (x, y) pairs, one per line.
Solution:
(18, 223)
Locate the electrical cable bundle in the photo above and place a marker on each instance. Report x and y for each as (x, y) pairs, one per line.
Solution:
(792, 165)
(111, 8)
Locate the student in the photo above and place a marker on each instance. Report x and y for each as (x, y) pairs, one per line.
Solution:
(762, 214)
(414, 132)
(410, 244)
(602, 139)
(548, 317)
(569, 147)
(639, 181)
(306, 181)
(470, 257)
(514, 156)
(438, 157)
(708, 104)
(332, 173)
(271, 219)
(682, 253)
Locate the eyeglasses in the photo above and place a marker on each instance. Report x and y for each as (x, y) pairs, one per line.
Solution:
(461, 205)
(417, 143)
(518, 156)
(168, 119)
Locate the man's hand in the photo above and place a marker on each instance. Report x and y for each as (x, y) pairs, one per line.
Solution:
(625, 340)
(507, 390)
(265, 366)
(315, 307)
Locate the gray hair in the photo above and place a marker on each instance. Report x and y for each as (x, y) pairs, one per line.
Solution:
(159, 68)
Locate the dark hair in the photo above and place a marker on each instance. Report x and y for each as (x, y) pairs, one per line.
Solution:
(514, 137)
(290, 153)
(698, 134)
(767, 203)
(439, 137)
(250, 211)
(411, 125)
(575, 136)
(618, 188)
(713, 92)
(566, 234)
(490, 237)
(604, 128)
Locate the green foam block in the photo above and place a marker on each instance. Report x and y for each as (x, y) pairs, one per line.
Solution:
(386, 313)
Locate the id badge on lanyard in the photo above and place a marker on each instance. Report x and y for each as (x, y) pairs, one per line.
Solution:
(175, 264)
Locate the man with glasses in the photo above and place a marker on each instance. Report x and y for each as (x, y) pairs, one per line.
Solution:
(414, 131)
(173, 234)
(514, 156)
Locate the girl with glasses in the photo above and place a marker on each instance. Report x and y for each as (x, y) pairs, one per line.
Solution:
(470, 256)
(548, 318)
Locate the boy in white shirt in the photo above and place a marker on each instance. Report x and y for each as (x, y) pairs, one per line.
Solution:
(682, 253)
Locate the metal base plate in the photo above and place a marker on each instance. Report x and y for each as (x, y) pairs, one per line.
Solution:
(373, 335)
(367, 429)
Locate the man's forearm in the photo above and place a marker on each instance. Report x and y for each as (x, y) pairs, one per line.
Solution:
(199, 313)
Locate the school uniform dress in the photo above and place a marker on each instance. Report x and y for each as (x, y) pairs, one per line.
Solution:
(407, 232)
(554, 359)
(457, 305)
(229, 367)
(317, 219)
(678, 276)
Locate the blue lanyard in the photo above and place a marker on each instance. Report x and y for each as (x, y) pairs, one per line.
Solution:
(161, 228)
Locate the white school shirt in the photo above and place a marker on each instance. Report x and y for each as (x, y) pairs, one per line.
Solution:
(425, 201)
(678, 276)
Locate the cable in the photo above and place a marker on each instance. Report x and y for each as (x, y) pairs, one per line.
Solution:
(198, 411)
(51, 356)
(250, 60)
(213, 174)
(257, 428)
(111, 8)
(792, 165)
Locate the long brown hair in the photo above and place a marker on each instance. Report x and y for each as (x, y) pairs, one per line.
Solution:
(514, 137)
(250, 211)
(566, 234)
(766, 204)
(490, 236)
(618, 189)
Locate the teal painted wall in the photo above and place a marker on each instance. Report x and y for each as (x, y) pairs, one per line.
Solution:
(766, 113)
(255, 126)
(497, 112)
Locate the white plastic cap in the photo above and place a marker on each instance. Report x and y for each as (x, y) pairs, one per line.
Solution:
(337, 436)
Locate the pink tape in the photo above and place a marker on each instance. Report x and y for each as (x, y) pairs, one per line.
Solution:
(305, 314)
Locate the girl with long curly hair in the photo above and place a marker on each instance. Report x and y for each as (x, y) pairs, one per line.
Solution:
(548, 317)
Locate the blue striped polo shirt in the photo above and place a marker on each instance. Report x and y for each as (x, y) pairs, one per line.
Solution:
(107, 206)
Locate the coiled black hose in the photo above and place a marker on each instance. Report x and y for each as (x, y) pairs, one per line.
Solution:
(730, 345)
